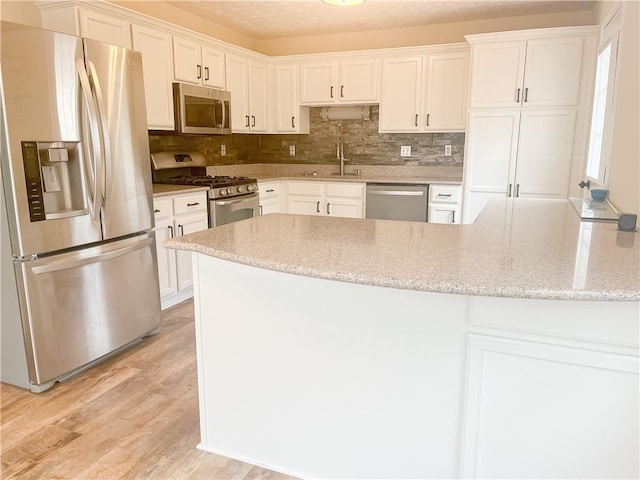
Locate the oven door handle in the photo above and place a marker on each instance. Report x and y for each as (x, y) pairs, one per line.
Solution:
(232, 202)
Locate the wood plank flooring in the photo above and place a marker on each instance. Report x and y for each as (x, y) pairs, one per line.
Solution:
(133, 416)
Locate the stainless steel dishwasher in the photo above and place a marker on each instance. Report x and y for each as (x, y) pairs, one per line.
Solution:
(397, 202)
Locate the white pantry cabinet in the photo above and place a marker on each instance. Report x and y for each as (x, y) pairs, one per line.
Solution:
(445, 204)
(271, 195)
(517, 153)
(348, 80)
(155, 47)
(177, 215)
(197, 63)
(290, 117)
(425, 93)
(247, 80)
(336, 199)
(528, 73)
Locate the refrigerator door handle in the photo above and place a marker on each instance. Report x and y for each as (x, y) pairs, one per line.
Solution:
(104, 128)
(101, 257)
(92, 179)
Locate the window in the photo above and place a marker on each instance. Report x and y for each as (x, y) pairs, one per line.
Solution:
(603, 101)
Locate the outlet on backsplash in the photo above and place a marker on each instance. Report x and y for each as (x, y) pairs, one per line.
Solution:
(292, 150)
(223, 150)
(405, 151)
(447, 150)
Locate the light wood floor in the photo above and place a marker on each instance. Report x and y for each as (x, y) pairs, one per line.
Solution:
(133, 416)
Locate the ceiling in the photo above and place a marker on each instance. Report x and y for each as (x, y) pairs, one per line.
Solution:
(271, 19)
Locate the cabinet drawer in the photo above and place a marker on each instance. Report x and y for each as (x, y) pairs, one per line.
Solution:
(444, 193)
(162, 208)
(190, 203)
(346, 190)
(269, 190)
(305, 188)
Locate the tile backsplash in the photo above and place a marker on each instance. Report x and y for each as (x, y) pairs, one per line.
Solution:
(363, 145)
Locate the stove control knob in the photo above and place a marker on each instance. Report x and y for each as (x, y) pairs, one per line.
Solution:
(240, 189)
(223, 192)
(251, 188)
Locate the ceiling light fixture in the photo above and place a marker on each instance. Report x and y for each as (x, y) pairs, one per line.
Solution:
(343, 3)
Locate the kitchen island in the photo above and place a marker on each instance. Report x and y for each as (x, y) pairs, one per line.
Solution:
(353, 348)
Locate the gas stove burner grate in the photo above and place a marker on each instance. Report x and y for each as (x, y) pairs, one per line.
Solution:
(206, 180)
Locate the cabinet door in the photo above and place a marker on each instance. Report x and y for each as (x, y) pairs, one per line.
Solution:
(400, 97)
(187, 62)
(213, 68)
(443, 213)
(166, 258)
(445, 91)
(545, 151)
(552, 72)
(317, 83)
(105, 28)
(549, 411)
(497, 73)
(258, 97)
(269, 205)
(286, 98)
(183, 226)
(491, 149)
(358, 81)
(304, 204)
(344, 207)
(238, 85)
(155, 47)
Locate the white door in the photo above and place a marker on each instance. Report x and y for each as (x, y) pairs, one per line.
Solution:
(497, 72)
(166, 259)
(286, 101)
(552, 72)
(358, 80)
(400, 95)
(545, 152)
(184, 226)
(213, 68)
(445, 81)
(238, 85)
(187, 62)
(105, 28)
(155, 47)
(344, 207)
(304, 205)
(317, 83)
(491, 150)
(258, 96)
(443, 213)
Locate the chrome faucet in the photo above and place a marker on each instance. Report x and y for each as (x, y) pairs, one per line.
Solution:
(340, 148)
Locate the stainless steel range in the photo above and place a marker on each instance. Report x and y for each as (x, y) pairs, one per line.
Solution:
(231, 199)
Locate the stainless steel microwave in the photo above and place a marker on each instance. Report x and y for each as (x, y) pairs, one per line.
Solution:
(201, 110)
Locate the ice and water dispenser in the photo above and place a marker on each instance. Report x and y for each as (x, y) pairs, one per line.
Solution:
(55, 180)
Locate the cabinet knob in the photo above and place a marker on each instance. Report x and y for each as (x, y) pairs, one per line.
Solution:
(317, 207)
(157, 210)
(518, 96)
(331, 93)
(193, 204)
(416, 119)
(526, 94)
(328, 208)
(293, 122)
(428, 115)
(206, 73)
(509, 191)
(199, 69)
(342, 91)
(253, 120)
(170, 228)
(246, 117)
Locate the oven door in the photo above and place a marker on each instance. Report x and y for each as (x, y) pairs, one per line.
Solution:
(231, 210)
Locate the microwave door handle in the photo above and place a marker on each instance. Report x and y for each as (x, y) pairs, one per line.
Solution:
(91, 176)
(224, 114)
(106, 158)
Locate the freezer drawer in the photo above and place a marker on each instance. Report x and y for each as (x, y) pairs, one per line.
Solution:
(82, 305)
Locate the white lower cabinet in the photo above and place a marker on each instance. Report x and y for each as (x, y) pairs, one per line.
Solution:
(445, 203)
(177, 215)
(336, 199)
(270, 197)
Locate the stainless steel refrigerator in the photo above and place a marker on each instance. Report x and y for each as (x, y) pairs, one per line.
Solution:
(79, 274)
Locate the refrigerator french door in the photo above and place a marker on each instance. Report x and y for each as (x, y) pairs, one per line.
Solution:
(78, 198)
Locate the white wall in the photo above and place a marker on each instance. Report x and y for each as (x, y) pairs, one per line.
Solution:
(624, 176)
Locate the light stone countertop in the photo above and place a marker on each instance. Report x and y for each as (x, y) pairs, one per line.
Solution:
(523, 248)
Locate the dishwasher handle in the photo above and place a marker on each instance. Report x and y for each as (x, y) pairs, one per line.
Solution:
(404, 193)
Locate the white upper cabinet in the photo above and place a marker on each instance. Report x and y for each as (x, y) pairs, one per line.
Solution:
(290, 117)
(401, 94)
(351, 80)
(445, 91)
(198, 64)
(425, 93)
(105, 28)
(155, 47)
(532, 73)
(248, 83)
